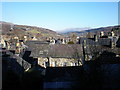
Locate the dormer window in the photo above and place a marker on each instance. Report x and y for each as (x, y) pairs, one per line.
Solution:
(40, 52)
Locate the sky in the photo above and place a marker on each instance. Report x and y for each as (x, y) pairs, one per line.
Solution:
(60, 0)
(61, 15)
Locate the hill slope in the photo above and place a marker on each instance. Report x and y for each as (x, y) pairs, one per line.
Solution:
(116, 29)
(21, 30)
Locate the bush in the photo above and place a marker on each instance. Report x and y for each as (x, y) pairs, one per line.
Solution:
(70, 42)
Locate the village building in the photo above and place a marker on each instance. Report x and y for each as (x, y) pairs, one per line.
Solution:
(25, 38)
(56, 55)
(34, 38)
(2, 42)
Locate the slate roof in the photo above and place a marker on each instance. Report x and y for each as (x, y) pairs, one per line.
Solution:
(118, 42)
(36, 42)
(38, 48)
(41, 49)
(101, 41)
(65, 50)
(88, 41)
(104, 41)
(55, 50)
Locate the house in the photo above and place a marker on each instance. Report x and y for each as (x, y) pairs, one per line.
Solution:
(34, 38)
(110, 41)
(118, 42)
(56, 55)
(2, 42)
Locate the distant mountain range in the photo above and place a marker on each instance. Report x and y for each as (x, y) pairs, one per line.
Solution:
(81, 31)
(68, 30)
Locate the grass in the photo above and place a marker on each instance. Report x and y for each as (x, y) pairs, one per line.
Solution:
(33, 31)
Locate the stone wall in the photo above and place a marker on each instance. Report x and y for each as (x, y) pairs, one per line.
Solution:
(57, 62)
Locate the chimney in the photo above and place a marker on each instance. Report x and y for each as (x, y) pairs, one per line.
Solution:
(112, 34)
(112, 43)
(95, 38)
(101, 33)
(63, 41)
(25, 37)
(49, 62)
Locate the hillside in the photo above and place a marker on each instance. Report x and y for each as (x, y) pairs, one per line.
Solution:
(11, 29)
(31, 31)
(116, 29)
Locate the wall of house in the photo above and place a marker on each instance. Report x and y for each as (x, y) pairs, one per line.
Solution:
(58, 62)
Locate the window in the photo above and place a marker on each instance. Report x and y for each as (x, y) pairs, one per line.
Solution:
(40, 52)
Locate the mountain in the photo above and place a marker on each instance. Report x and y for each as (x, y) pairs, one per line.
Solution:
(12, 30)
(68, 30)
(95, 30)
(21, 30)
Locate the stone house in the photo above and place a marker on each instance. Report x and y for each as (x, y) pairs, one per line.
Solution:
(56, 55)
(2, 42)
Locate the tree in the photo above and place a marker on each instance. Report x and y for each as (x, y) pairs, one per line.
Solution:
(70, 42)
(73, 37)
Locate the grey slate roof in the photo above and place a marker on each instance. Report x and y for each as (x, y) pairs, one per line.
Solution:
(104, 41)
(38, 48)
(55, 50)
(101, 41)
(42, 49)
(65, 50)
(118, 42)
(88, 41)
